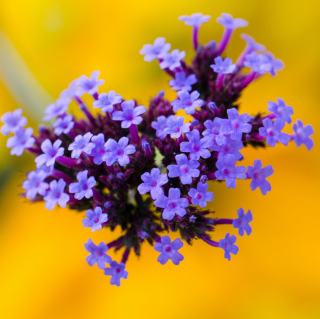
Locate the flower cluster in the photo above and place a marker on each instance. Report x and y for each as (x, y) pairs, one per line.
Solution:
(143, 168)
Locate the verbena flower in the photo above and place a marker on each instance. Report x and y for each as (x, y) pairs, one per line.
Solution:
(83, 188)
(272, 131)
(35, 184)
(20, 141)
(118, 151)
(200, 196)
(172, 60)
(182, 81)
(95, 219)
(99, 149)
(227, 244)
(302, 133)
(223, 66)
(157, 50)
(152, 183)
(63, 125)
(89, 85)
(213, 131)
(169, 250)
(242, 222)
(50, 153)
(229, 22)
(281, 110)
(195, 20)
(58, 108)
(160, 126)
(81, 145)
(106, 101)
(175, 126)
(12, 122)
(116, 271)
(56, 195)
(97, 254)
(187, 101)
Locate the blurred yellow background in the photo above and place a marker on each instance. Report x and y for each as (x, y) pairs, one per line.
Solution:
(44, 45)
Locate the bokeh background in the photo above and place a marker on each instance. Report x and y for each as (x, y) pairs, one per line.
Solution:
(46, 44)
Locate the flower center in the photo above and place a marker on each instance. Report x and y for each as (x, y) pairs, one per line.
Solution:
(235, 124)
(172, 205)
(154, 184)
(120, 152)
(196, 148)
(167, 249)
(117, 270)
(184, 169)
(198, 196)
(96, 220)
(225, 171)
(99, 253)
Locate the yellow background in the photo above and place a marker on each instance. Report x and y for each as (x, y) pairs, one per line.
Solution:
(43, 273)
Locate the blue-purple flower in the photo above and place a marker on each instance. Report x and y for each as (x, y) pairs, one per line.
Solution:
(83, 188)
(172, 60)
(257, 62)
(56, 195)
(81, 144)
(129, 114)
(116, 271)
(152, 183)
(252, 45)
(63, 125)
(97, 254)
(20, 141)
(200, 196)
(274, 64)
(35, 184)
(106, 101)
(173, 204)
(214, 131)
(160, 125)
(175, 126)
(94, 219)
(230, 23)
(89, 85)
(58, 108)
(281, 110)
(183, 82)
(118, 151)
(227, 244)
(231, 147)
(195, 20)
(169, 250)
(187, 101)
(242, 222)
(302, 133)
(272, 131)
(12, 121)
(99, 149)
(223, 66)
(157, 50)
(50, 152)
(185, 169)
(259, 175)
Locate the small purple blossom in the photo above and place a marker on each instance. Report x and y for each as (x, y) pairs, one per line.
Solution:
(169, 250)
(70, 92)
(152, 183)
(116, 271)
(160, 125)
(35, 184)
(89, 85)
(51, 152)
(187, 101)
(274, 64)
(12, 121)
(172, 60)
(259, 175)
(243, 222)
(56, 195)
(252, 45)
(94, 219)
(63, 125)
(175, 126)
(196, 147)
(228, 171)
(97, 254)
(272, 131)
(99, 149)
(231, 147)
(214, 131)
(230, 23)
(183, 82)
(106, 101)
(20, 141)
(129, 114)
(223, 66)
(195, 20)
(81, 144)
(58, 108)
(227, 244)
(302, 133)
(257, 62)
(83, 188)
(185, 169)
(200, 196)
(172, 204)
(157, 50)
(118, 151)
(281, 110)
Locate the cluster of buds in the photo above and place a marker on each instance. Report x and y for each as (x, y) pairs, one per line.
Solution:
(145, 169)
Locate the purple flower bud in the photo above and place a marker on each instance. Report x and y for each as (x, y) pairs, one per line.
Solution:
(172, 60)
(243, 222)
(175, 126)
(20, 141)
(160, 125)
(94, 219)
(12, 122)
(35, 184)
(152, 183)
(58, 108)
(83, 187)
(106, 101)
(118, 151)
(281, 110)
(183, 82)
(89, 85)
(302, 133)
(97, 254)
(169, 250)
(187, 101)
(227, 244)
(116, 271)
(99, 149)
(56, 195)
(272, 131)
(63, 125)
(81, 144)
(51, 152)
(157, 50)
(200, 196)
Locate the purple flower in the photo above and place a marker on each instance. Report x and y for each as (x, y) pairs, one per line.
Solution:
(172, 204)
(83, 187)
(281, 110)
(230, 23)
(183, 82)
(99, 149)
(58, 108)
(223, 66)
(214, 131)
(160, 125)
(172, 60)
(228, 171)
(152, 183)
(129, 114)
(97, 254)
(81, 144)
(56, 195)
(272, 131)
(195, 20)
(89, 85)
(259, 175)
(231, 147)
(187, 101)
(243, 222)
(35, 184)
(175, 126)
(169, 250)
(302, 133)
(51, 152)
(157, 50)
(227, 244)
(106, 101)
(196, 147)
(94, 219)
(237, 124)
(118, 151)
(274, 64)
(185, 169)
(200, 196)
(12, 121)
(20, 141)
(63, 125)
(116, 271)
(257, 62)
(71, 91)
(252, 45)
